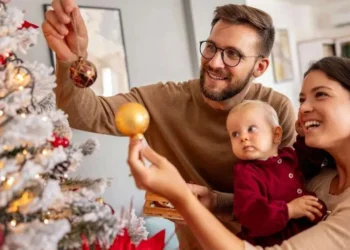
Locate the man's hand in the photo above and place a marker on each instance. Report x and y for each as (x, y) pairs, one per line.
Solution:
(59, 33)
(306, 205)
(207, 197)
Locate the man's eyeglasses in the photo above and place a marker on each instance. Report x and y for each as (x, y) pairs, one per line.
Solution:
(229, 56)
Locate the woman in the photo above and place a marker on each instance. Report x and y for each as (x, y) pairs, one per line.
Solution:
(325, 120)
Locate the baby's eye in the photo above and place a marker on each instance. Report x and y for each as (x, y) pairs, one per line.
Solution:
(235, 134)
(252, 129)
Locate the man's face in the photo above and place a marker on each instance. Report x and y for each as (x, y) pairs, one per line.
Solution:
(218, 81)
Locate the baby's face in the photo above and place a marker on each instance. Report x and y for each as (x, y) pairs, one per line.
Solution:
(252, 136)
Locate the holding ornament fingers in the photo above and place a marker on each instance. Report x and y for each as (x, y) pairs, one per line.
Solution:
(62, 14)
(65, 31)
(161, 178)
(59, 29)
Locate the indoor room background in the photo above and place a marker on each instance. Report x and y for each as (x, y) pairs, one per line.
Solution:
(161, 38)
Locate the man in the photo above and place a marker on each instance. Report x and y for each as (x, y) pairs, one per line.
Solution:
(187, 120)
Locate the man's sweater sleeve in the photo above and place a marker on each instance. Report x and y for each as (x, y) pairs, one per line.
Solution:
(85, 110)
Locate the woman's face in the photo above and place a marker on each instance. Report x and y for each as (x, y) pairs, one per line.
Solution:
(324, 112)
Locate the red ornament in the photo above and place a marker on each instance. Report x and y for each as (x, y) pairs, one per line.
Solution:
(4, 57)
(65, 142)
(59, 141)
(85, 245)
(27, 25)
(2, 60)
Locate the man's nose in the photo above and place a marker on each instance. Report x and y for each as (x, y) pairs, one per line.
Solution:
(217, 61)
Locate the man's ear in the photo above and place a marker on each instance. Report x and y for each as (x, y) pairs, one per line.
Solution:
(277, 135)
(261, 66)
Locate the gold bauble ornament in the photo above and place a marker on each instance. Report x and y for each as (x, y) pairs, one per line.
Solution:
(132, 119)
(83, 73)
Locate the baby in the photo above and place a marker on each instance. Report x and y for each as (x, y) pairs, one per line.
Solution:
(270, 199)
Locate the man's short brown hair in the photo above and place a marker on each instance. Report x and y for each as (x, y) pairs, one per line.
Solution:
(255, 18)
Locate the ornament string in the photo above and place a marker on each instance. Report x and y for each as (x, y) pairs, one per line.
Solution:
(75, 30)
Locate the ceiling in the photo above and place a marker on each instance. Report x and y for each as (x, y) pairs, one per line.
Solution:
(314, 2)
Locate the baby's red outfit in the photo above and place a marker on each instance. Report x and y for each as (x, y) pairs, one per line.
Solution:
(262, 190)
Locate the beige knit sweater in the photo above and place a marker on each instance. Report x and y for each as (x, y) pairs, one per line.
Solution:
(331, 234)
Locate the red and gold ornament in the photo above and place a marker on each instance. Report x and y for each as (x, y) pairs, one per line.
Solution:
(83, 73)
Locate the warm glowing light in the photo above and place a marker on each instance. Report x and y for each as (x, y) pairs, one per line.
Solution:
(10, 181)
(19, 78)
(45, 152)
(13, 223)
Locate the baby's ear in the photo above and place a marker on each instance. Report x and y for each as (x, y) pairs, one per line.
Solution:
(277, 135)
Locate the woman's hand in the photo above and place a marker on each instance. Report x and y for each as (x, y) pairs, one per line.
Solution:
(306, 205)
(161, 177)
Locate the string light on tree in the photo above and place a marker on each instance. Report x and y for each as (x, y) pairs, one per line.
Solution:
(21, 77)
(13, 223)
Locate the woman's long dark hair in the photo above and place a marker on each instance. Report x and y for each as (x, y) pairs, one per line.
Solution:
(336, 68)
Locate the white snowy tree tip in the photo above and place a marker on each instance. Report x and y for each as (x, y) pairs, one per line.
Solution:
(12, 37)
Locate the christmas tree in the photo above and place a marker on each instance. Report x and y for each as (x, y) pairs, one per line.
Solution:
(40, 206)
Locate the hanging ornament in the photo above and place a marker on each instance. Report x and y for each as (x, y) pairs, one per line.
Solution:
(4, 58)
(82, 72)
(132, 119)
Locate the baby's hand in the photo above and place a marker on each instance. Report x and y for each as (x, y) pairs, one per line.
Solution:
(299, 129)
(306, 205)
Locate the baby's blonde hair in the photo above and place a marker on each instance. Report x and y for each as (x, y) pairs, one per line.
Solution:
(270, 112)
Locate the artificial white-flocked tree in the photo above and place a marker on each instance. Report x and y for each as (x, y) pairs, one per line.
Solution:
(40, 206)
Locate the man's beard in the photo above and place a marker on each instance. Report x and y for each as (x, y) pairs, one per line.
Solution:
(233, 89)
